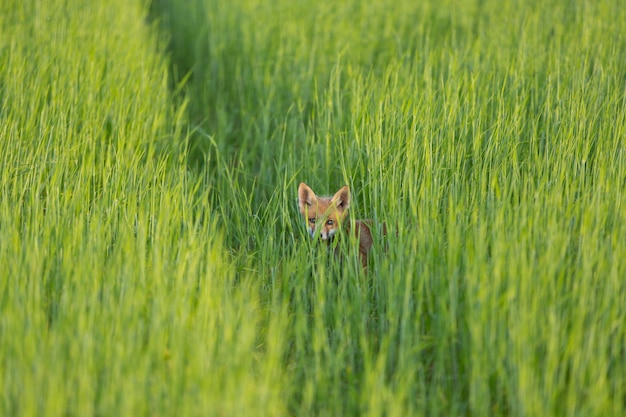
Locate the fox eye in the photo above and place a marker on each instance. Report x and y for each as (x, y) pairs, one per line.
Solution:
(330, 222)
(312, 220)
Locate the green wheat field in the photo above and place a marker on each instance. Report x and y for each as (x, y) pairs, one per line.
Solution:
(153, 261)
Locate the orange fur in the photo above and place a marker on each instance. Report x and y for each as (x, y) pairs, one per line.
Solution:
(331, 213)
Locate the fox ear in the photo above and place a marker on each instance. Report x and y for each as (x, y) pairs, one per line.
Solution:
(306, 196)
(341, 199)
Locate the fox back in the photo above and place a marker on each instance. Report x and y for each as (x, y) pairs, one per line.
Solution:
(328, 215)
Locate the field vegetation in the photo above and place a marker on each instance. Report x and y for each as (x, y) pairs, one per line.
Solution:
(153, 261)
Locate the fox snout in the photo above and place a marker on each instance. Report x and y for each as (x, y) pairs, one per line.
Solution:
(324, 234)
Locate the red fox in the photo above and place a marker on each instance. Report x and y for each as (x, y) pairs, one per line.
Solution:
(328, 215)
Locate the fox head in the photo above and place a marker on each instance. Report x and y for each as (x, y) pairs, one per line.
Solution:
(323, 213)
